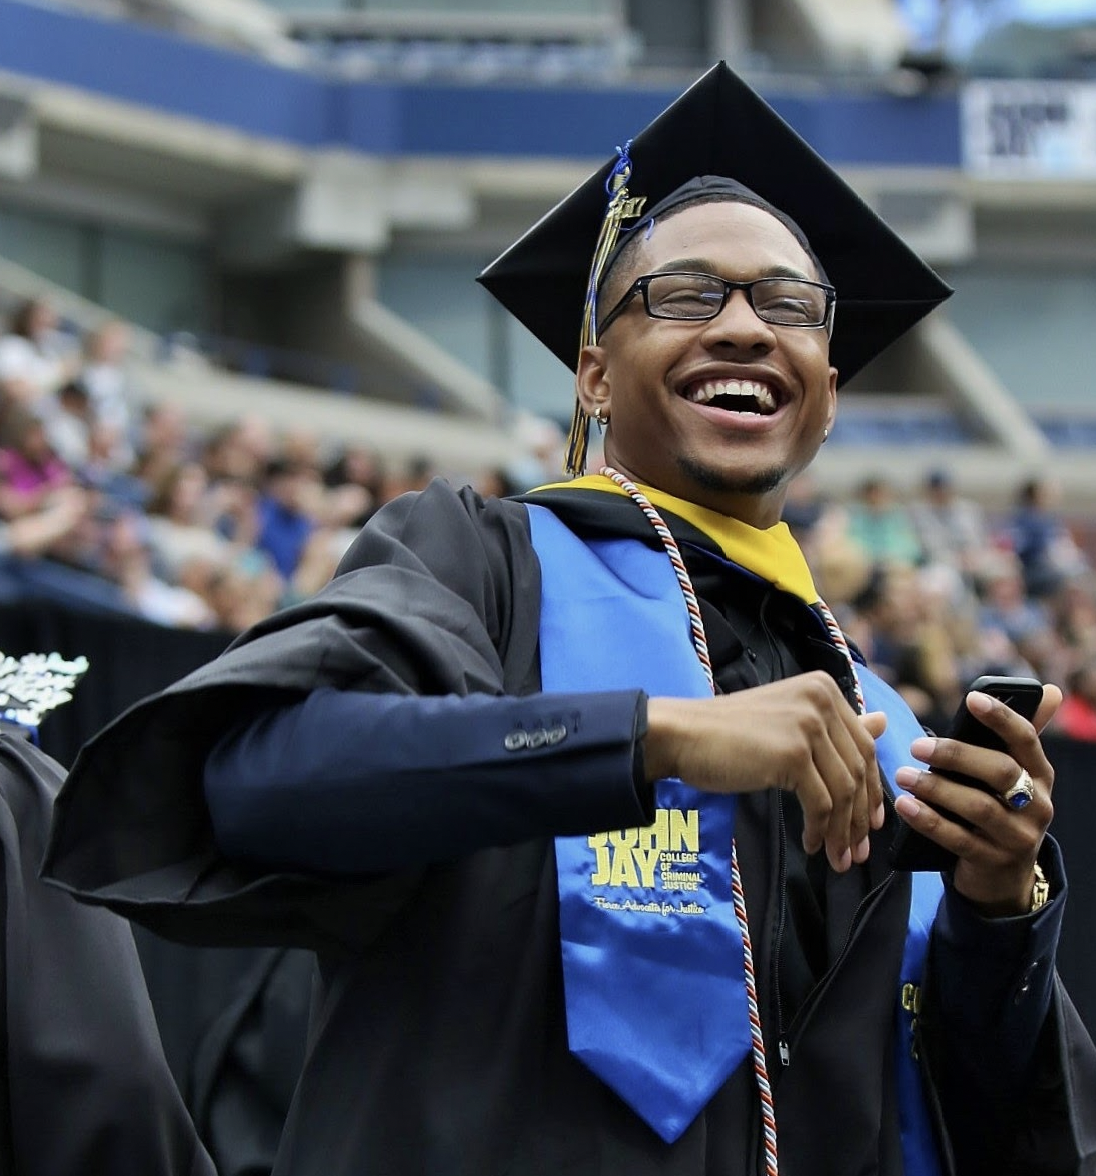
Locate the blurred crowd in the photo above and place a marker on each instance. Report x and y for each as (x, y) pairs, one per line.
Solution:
(936, 591)
(110, 502)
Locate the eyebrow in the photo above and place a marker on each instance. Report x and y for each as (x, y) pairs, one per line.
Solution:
(704, 266)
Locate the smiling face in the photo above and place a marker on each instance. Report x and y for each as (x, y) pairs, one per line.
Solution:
(722, 413)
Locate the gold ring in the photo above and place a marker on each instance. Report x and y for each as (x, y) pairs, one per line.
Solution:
(1022, 793)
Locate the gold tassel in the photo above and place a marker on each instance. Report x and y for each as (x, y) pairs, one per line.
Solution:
(620, 206)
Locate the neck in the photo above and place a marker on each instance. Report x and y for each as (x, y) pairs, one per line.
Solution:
(758, 505)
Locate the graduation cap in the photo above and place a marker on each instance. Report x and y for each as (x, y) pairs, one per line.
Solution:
(718, 127)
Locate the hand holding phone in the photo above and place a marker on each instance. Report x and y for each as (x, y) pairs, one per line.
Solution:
(912, 850)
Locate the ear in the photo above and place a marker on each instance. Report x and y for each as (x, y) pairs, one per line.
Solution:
(592, 380)
(832, 391)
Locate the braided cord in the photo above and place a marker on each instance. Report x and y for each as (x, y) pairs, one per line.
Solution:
(761, 1069)
(838, 638)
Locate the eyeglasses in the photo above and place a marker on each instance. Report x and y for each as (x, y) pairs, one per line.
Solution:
(787, 302)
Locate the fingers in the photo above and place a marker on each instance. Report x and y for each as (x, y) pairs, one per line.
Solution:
(989, 767)
(841, 794)
(959, 803)
(973, 823)
(799, 735)
(875, 723)
(848, 774)
(1052, 700)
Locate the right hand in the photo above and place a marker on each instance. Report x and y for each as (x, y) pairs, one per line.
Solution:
(799, 735)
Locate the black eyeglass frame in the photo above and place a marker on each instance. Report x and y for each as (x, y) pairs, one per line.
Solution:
(642, 285)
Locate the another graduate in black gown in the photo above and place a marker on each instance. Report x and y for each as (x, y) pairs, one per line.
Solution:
(84, 1085)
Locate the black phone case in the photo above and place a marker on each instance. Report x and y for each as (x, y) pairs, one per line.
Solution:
(911, 850)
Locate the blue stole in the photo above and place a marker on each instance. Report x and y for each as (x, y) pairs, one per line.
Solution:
(652, 953)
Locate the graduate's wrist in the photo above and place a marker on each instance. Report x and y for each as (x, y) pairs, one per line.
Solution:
(662, 740)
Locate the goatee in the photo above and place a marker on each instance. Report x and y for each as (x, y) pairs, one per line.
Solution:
(722, 482)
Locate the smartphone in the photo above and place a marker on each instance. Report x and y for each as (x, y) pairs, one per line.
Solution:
(914, 851)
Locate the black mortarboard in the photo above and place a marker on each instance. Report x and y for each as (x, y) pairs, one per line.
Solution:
(720, 127)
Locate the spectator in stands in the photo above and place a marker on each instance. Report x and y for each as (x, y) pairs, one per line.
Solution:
(1008, 610)
(226, 458)
(128, 562)
(417, 475)
(37, 532)
(163, 442)
(333, 506)
(34, 360)
(300, 446)
(803, 508)
(1040, 538)
(540, 449)
(358, 465)
(241, 450)
(494, 483)
(880, 525)
(284, 522)
(107, 383)
(29, 468)
(69, 422)
(180, 523)
(1073, 611)
(1077, 715)
(910, 644)
(950, 528)
(245, 592)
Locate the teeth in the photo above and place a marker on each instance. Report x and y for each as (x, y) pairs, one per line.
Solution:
(751, 388)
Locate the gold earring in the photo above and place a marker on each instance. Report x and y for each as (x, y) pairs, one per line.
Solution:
(600, 419)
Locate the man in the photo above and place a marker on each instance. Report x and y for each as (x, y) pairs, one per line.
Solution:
(414, 772)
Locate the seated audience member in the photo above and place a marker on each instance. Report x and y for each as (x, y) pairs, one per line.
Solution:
(30, 471)
(1038, 534)
(163, 442)
(285, 524)
(33, 360)
(495, 483)
(911, 644)
(104, 375)
(37, 532)
(127, 561)
(244, 593)
(951, 529)
(1076, 716)
(1025, 622)
(239, 451)
(69, 422)
(880, 525)
(1072, 610)
(180, 522)
(358, 465)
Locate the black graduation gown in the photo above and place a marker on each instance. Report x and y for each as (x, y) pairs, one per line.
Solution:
(439, 1043)
(84, 1086)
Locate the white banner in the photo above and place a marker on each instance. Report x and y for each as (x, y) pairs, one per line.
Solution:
(1029, 129)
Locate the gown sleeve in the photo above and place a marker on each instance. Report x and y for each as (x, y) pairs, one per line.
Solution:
(1013, 1064)
(353, 784)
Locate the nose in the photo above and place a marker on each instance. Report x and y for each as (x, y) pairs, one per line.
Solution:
(738, 324)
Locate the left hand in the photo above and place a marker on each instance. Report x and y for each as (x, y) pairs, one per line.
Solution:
(996, 854)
